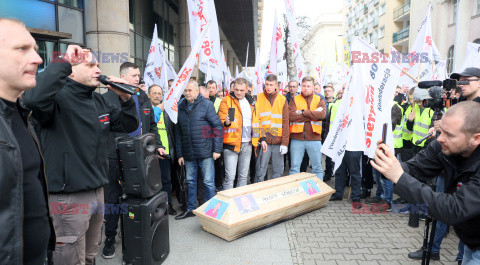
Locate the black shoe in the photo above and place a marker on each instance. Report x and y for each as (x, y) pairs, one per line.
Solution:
(356, 203)
(419, 253)
(459, 262)
(399, 201)
(372, 200)
(326, 178)
(184, 215)
(335, 198)
(109, 248)
(171, 211)
(365, 194)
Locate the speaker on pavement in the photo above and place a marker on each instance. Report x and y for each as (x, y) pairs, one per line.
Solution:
(146, 236)
(139, 165)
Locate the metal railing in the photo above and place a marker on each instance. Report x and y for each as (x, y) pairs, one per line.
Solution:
(399, 11)
(401, 34)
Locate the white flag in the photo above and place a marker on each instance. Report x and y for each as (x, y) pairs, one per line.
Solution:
(258, 85)
(297, 55)
(178, 85)
(282, 74)
(277, 38)
(422, 56)
(157, 64)
(472, 57)
(199, 12)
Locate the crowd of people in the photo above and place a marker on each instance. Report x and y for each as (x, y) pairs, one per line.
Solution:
(57, 138)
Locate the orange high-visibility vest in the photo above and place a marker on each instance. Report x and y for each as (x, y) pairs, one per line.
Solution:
(270, 116)
(301, 103)
(232, 135)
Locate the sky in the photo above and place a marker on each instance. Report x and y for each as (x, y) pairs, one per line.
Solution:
(309, 8)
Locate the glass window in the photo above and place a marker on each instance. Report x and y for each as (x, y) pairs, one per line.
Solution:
(450, 60)
(381, 32)
(138, 46)
(132, 43)
(71, 21)
(74, 3)
(46, 50)
(34, 13)
(478, 8)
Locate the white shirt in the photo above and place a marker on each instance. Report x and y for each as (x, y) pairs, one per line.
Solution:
(247, 120)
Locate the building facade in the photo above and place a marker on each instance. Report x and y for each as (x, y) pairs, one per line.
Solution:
(121, 30)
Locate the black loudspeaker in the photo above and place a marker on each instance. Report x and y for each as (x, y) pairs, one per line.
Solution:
(146, 237)
(139, 165)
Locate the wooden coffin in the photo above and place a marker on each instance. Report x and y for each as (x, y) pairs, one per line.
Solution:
(236, 212)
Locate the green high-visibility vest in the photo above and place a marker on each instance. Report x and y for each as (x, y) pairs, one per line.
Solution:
(162, 131)
(421, 124)
(216, 104)
(333, 110)
(406, 133)
(397, 132)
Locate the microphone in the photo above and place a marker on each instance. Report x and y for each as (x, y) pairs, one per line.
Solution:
(435, 92)
(122, 87)
(428, 84)
(423, 139)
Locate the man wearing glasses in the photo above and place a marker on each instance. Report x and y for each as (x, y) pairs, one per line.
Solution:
(472, 90)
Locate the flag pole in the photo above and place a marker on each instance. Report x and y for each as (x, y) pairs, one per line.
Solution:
(198, 66)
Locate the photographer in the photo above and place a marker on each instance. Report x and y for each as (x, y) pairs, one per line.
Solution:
(456, 153)
(472, 90)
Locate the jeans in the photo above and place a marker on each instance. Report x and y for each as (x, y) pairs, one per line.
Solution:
(231, 159)
(207, 169)
(273, 151)
(297, 151)
(441, 229)
(350, 164)
(471, 257)
(461, 250)
(378, 176)
(387, 187)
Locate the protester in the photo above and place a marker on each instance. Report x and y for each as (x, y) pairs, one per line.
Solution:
(306, 112)
(199, 136)
(130, 73)
(237, 141)
(329, 100)
(457, 155)
(472, 90)
(272, 110)
(75, 125)
(27, 229)
(292, 88)
(212, 93)
(166, 131)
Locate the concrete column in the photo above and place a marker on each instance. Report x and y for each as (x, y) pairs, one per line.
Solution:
(230, 62)
(184, 32)
(106, 24)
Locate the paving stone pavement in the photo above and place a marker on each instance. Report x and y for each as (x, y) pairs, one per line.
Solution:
(331, 235)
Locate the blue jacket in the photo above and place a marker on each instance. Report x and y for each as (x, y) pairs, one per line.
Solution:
(199, 131)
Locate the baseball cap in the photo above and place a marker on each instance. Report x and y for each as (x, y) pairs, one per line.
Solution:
(468, 72)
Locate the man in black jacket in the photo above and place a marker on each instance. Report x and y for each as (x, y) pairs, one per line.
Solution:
(199, 141)
(75, 125)
(27, 228)
(131, 74)
(456, 152)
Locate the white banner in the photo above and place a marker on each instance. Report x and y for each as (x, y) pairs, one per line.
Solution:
(297, 55)
(277, 48)
(365, 107)
(282, 74)
(258, 84)
(421, 58)
(158, 69)
(199, 12)
(178, 85)
(472, 57)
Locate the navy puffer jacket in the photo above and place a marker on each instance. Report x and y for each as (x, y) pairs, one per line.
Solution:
(199, 132)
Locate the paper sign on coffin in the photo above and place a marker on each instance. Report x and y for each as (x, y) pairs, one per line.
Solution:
(236, 212)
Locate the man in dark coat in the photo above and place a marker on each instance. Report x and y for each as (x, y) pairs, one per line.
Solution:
(199, 141)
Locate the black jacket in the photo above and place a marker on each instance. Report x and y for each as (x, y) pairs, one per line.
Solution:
(75, 125)
(11, 188)
(146, 115)
(460, 204)
(199, 132)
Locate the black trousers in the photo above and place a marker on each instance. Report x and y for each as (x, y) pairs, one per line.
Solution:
(114, 192)
(166, 169)
(367, 174)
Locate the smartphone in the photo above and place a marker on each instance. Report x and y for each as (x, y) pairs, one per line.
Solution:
(231, 114)
(384, 133)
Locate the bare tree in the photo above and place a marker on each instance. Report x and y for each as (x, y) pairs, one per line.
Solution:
(303, 28)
